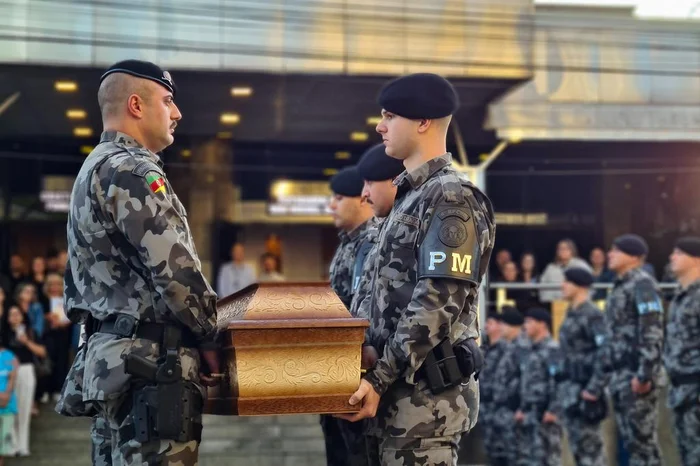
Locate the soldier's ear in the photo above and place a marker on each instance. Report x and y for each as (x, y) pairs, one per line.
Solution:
(423, 125)
(134, 106)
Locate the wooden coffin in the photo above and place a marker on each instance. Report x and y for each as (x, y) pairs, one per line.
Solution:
(288, 349)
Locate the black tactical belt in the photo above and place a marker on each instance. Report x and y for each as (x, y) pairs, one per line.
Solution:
(126, 326)
(684, 379)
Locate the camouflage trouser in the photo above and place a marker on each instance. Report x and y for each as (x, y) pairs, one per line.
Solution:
(346, 442)
(585, 441)
(637, 417)
(101, 436)
(396, 451)
(687, 430)
(540, 444)
(503, 448)
(127, 451)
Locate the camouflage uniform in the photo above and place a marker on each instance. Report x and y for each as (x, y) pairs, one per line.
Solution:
(540, 444)
(487, 388)
(506, 400)
(682, 362)
(582, 336)
(416, 302)
(342, 265)
(635, 326)
(130, 252)
(346, 441)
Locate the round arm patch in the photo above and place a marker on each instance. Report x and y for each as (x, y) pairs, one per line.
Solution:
(451, 248)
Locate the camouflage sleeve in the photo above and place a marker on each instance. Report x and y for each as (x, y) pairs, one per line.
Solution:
(600, 357)
(650, 330)
(144, 211)
(554, 360)
(435, 306)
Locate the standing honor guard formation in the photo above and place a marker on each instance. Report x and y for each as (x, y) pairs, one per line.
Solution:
(416, 237)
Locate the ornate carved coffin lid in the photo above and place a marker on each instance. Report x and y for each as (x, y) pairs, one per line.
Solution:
(284, 305)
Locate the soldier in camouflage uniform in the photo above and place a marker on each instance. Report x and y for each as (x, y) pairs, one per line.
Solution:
(582, 336)
(433, 250)
(540, 444)
(682, 350)
(634, 320)
(345, 442)
(493, 348)
(503, 450)
(352, 216)
(378, 172)
(134, 280)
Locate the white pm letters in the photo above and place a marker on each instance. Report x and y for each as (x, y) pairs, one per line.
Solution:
(436, 257)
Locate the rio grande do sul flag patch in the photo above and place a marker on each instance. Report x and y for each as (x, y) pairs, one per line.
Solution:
(156, 182)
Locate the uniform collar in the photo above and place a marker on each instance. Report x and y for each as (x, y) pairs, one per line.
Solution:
(125, 140)
(629, 274)
(423, 173)
(692, 288)
(351, 235)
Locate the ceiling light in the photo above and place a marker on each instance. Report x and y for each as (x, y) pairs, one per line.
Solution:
(224, 135)
(66, 86)
(374, 121)
(342, 155)
(359, 136)
(76, 114)
(85, 150)
(82, 132)
(330, 171)
(186, 152)
(241, 91)
(230, 118)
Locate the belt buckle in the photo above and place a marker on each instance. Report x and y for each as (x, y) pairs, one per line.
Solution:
(125, 325)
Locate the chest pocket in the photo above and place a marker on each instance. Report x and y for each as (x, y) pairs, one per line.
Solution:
(398, 261)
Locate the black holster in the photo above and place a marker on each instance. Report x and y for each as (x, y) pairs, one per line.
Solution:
(446, 366)
(166, 407)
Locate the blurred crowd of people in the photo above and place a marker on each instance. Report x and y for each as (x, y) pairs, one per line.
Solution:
(37, 342)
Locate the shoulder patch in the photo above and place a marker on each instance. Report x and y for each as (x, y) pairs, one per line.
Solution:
(450, 248)
(647, 299)
(154, 177)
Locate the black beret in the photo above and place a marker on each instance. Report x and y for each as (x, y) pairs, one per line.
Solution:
(143, 69)
(579, 277)
(540, 314)
(633, 245)
(347, 182)
(375, 165)
(420, 95)
(511, 316)
(689, 245)
(492, 314)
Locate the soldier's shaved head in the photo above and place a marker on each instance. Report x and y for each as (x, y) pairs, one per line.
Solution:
(115, 90)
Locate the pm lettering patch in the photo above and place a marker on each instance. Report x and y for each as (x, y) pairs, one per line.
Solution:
(450, 249)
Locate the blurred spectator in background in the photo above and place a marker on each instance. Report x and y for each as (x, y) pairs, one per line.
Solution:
(528, 268)
(234, 275)
(17, 272)
(3, 299)
(528, 274)
(601, 273)
(8, 401)
(273, 246)
(37, 277)
(502, 258)
(26, 300)
(17, 335)
(269, 269)
(61, 261)
(58, 335)
(566, 257)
